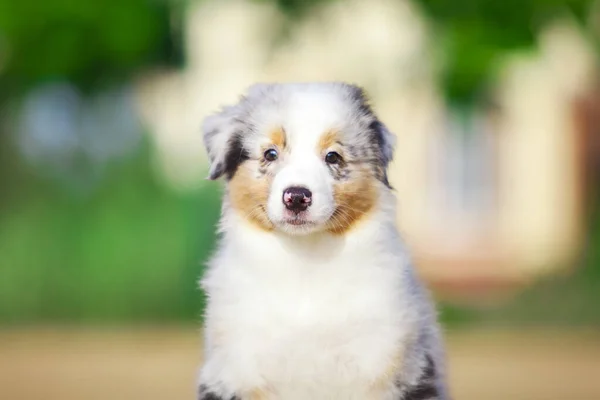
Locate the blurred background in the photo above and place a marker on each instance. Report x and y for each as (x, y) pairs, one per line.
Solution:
(106, 219)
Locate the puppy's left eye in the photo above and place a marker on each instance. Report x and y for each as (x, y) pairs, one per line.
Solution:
(333, 158)
(271, 155)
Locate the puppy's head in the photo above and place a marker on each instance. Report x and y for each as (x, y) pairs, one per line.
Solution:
(300, 158)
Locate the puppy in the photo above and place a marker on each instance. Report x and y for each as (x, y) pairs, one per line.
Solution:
(311, 294)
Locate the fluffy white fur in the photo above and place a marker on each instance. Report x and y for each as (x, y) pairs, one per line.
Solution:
(295, 311)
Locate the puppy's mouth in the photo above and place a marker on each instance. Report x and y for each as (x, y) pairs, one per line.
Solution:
(298, 222)
(300, 219)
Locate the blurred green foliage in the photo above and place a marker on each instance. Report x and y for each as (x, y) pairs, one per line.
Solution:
(474, 34)
(132, 250)
(85, 42)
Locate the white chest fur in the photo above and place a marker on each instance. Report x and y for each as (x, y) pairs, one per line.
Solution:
(319, 320)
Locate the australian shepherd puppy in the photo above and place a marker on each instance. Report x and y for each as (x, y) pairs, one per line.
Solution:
(311, 294)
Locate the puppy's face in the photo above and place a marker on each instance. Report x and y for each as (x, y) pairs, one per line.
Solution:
(300, 158)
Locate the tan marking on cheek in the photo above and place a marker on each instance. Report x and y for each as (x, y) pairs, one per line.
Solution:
(354, 200)
(277, 137)
(326, 141)
(249, 196)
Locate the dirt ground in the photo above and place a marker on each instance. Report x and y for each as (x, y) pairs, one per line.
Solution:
(153, 364)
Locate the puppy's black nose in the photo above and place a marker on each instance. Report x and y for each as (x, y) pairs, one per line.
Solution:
(297, 199)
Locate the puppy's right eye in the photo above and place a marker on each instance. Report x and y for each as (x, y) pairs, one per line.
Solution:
(332, 158)
(271, 155)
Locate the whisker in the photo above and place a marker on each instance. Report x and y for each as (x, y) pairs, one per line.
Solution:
(345, 207)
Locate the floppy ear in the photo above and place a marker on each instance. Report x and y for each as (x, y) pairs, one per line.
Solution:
(386, 141)
(382, 135)
(224, 132)
(223, 141)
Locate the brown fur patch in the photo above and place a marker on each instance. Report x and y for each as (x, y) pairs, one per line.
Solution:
(326, 141)
(278, 138)
(354, 199)
(249, 196)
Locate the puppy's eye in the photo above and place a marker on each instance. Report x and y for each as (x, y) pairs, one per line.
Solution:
(333, 158)
(271, 155)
